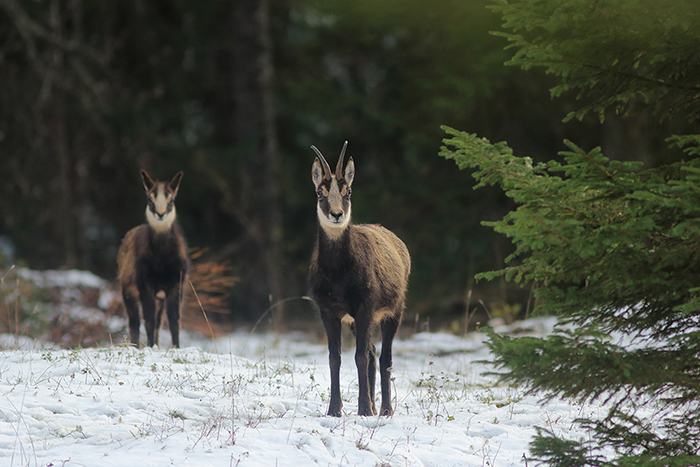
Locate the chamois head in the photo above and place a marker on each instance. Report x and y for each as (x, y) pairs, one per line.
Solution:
(333, 191)
(160, 211)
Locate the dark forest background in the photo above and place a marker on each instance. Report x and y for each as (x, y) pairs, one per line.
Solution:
(233, 94)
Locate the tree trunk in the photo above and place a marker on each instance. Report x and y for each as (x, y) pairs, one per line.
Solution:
(271, 151)
(255, 134)
(59, 132)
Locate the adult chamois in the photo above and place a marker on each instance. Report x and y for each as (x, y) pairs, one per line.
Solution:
(358, 274)
(153, 264)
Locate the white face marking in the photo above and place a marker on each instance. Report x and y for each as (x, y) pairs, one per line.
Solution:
(160, 224)
(334, 226)
(161, 220)
(161, 202)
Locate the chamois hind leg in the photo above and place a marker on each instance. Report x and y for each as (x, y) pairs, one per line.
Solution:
(389, 327)
(333, 328)
(363, 356)
(132, 313)
(172, 304)
(372, 373)
(160, 305)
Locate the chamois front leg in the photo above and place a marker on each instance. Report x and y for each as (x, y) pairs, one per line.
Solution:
(132, 312)
(371, 368)
(172, 304)
(333, 329)
(362, 360)
(148, 307)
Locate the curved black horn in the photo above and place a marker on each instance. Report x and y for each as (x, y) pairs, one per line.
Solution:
(324, 163)
(339, 167)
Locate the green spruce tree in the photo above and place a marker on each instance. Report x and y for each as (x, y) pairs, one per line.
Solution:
(611, 248)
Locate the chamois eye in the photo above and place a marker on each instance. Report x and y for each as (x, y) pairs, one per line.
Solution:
(319, 192)
(348, 192)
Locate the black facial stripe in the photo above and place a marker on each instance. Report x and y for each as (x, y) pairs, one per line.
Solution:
(325, 206)
(323, 187)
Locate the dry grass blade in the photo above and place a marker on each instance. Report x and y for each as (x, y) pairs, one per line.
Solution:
(211, 282)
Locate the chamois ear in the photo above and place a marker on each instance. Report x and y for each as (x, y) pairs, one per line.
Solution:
(148, 183)
(349, 171)
(317, 173)
(325, 168)
(175, 183)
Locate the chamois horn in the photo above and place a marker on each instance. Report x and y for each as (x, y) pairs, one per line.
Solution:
(339, 167)
(324, 163)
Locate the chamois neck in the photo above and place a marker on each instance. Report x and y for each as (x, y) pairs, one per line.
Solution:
(161, 225)
(333, 236)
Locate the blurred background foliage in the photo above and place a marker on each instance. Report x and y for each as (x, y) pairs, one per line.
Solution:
(234, 93)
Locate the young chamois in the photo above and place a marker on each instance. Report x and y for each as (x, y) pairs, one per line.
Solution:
(153, 264)
(358, 274)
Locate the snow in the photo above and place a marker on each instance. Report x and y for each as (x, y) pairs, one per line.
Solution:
(70, 278)
(260, 400)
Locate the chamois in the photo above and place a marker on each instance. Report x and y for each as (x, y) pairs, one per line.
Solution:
(153, 264)
(358, 274)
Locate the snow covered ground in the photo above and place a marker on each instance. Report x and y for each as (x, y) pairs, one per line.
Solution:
(260, 400)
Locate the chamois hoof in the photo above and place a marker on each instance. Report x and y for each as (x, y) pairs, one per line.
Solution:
(334, 409)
